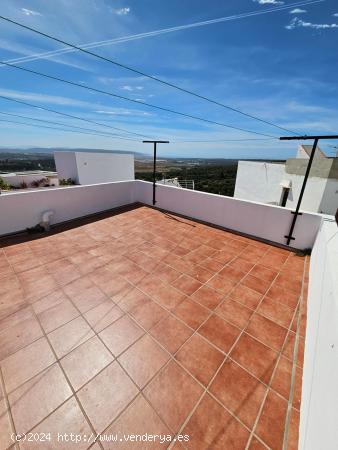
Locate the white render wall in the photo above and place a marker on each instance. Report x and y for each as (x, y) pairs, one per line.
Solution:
(93, 168)
(319, 417)
(256, 219)
(259, 182)
(20, 210)
(16, 179)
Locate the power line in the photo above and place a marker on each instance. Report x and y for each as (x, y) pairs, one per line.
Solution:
(101, 133)
(103, 58)
(92, 89)
(60, 129)
(132, 37)
(68, 115)
(223, 140)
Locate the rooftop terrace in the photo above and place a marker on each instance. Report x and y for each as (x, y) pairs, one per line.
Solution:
(146, 322)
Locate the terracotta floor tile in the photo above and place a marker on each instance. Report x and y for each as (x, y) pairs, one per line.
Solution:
(17, 331)
(148, 314)
(70, 336)
(264, 273)
(9, 283)
(37, 283)
(191, 313)
(166, 273)
(121, 334)
(266, 331)
(103, 315)
(212, 265)
(225, 256)
(281, 381)
(219, 332)
(239, 392)
(26, 363)
(200, 358)
(221, 284)
(11, 302)
(212, 427)
(234, 312)
(186, 284)
(49, 301)
(84, 294)
(288, 281)
(241, 264)
(169, 297)
(256, 284)
(67, 419)
(257, 445)
(104, 397)
(138, 419)
(293, 437)
(143, 360)
(255, 357)
(198, 272)
(275, 311)
(270, 427)
(287, 297)
(133, 299)
(171, 333)
(163, 394)
(5, 422)
(246, 296)
(34, 400)
(232, 273)
(289, 348)
(58, 315)
(207, 297)
(85, 362)
(273, 260)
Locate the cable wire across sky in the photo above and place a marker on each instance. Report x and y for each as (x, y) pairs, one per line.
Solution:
(111, 94)
(103, 58)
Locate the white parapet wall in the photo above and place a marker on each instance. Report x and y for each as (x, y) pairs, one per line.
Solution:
(255, 219)
(20, 210)
(319, 417)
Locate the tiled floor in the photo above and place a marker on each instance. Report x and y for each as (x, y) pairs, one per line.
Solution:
(144, 322)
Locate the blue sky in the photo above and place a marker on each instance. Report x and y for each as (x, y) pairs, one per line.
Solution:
(280, 66)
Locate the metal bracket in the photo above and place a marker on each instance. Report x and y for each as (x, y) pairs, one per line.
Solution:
(298, 213)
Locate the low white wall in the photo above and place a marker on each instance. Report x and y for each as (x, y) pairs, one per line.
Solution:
(259, 181)
(319, 417)
(20, 210)
(16, 180)
(256, 219)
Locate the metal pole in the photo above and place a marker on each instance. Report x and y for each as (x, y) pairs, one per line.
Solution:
(154, 175)
(154, 167)
(289, 237)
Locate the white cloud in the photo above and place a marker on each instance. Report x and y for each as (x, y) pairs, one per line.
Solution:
(122, 11)
(298, 23)
(298, 11)
(131, 88)
(335, 15)
(269, 2)
(30, 12)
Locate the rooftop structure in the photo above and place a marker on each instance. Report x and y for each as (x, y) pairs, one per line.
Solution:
(280, 184)
(91, 168)
(190, 320)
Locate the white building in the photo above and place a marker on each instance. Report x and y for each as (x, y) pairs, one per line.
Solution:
(280, 184)
(93, 168)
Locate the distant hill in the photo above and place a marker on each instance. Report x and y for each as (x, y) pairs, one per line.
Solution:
(50, 150)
